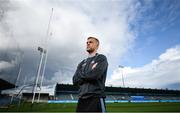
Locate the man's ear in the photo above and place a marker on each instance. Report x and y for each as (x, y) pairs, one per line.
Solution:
(97, 46)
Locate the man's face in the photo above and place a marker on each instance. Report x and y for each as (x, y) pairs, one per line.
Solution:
(92, 45)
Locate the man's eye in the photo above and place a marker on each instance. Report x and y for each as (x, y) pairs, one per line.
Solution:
(89, 42)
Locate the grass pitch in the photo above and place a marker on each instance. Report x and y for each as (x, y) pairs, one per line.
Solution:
(111, 107)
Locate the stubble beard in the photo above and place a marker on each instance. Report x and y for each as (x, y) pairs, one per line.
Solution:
(90, 50)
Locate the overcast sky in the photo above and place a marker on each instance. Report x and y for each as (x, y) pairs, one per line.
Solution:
(141, 35)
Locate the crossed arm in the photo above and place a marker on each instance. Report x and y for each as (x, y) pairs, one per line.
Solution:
(95, 73)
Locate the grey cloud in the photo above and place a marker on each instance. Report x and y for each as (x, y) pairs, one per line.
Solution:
(71, 24)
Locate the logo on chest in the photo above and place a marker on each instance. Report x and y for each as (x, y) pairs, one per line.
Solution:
(92, 62)
(85, 63)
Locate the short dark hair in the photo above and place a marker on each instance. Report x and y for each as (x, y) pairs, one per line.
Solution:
(94, 39)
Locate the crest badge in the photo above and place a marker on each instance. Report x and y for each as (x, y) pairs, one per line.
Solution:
(92, 62)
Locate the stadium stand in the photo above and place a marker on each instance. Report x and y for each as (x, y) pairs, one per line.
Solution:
(120, 94)
(28, 97)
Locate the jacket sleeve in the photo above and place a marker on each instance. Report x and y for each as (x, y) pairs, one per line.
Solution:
(76, 79)
(97, 72)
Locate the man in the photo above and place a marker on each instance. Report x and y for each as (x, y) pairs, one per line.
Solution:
(90, 77)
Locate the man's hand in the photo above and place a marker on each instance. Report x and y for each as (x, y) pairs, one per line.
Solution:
(94, 65)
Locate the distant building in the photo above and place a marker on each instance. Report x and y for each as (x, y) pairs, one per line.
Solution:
(5, 85)
(4, 98)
